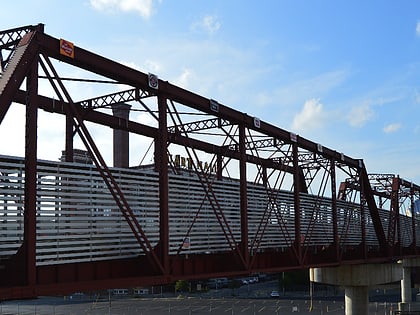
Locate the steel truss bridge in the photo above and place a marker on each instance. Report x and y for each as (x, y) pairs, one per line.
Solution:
(217, 192)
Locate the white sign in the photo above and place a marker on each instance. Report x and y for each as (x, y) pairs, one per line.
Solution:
(153, 81)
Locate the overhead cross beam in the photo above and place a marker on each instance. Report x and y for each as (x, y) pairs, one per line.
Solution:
(115, 98)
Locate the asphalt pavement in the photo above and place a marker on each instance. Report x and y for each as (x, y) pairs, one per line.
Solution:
(181, 305)
(252, 299)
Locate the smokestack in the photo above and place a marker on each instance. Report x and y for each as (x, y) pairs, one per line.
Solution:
(121, 137)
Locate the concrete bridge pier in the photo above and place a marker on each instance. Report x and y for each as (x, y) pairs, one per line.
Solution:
(356, 280)
(356, 300)
(406, 294)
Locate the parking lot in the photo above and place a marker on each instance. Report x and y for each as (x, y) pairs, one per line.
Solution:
(181, 305)
(167, 306)
(248, 299)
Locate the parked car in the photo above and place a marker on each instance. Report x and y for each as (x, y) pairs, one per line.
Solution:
(275, 294)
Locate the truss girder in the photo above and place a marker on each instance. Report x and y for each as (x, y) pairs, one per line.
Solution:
(9, 39)
(103, 169)
(15, 72)
(287, 152)
(55, 106)
(206, 124)
(115, 98)
(126, 75)
(382, 185)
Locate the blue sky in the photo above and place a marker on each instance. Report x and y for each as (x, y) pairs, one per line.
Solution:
(345, 74)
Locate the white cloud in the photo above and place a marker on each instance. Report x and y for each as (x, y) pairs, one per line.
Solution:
(392, 128)
(210, 24)
(131, 64)
(263, 98)
(142, 7)
(13, 124)
(183, 79)
(418, 28)
(153, 66)
(301, 90)
(310, 117)
(210, 68)
(359, 115)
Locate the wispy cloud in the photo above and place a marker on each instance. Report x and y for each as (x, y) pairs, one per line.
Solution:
(310, 117)
(184, 79)
(360, 115)
(180, 61)
(418, 28)
(392, 128)
(364, 109)
(209, 23)
(316, 86)
(142, 7)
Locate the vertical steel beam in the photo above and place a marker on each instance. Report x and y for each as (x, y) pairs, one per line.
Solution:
(219, 165)
(31, 174)
(413, 218)
(243, 195)
(334, 209)
(69, 137)
(363, 203)
(264, 176)
(161, 157)
(395, 212)
(296, 191)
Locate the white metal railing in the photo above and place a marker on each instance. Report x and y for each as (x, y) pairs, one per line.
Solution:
(77, 219)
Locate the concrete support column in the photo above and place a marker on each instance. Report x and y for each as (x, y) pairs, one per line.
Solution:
(406, 285)
(356, 300)
(121, 136)
(356, 279)
(406, 295)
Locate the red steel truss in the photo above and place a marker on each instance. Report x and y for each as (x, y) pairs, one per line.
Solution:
(271, 197)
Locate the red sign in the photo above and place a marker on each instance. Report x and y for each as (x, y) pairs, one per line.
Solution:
(66, 48)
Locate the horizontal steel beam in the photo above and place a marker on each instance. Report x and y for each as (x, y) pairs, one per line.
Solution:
(126, 75)
(58, 107)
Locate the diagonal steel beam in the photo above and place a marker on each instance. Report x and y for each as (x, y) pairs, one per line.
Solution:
(15, 72)
(104, 171)
(374, 213)
(206, 184)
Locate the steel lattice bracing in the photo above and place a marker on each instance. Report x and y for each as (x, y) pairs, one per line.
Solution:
(221, 192)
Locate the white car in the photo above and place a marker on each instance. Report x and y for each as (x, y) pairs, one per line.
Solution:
(275, 294)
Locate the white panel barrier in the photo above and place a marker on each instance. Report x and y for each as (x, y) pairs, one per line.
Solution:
(78, 220)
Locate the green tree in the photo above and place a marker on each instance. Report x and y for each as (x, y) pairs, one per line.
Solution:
(234, 284)
(181, 286)
(292, 279)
